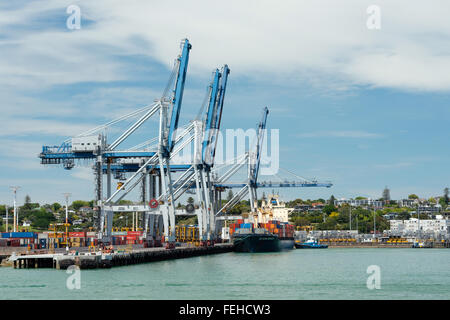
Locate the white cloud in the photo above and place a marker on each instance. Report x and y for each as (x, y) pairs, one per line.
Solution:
(18, 127)
(326, 43)
(396, 165)
(286, 42)
(340, 134)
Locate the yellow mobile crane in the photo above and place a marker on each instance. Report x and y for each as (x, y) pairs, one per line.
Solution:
(58, 229)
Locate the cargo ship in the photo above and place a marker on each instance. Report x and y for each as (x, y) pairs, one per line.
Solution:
(283, 230)
(257, 240)
(266, 237)
(275, 213)
(270, 219)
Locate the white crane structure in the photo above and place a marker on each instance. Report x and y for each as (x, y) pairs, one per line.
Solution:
(151, 167)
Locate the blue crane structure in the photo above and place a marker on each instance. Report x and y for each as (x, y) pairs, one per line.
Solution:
(253, 161)
(152, 169)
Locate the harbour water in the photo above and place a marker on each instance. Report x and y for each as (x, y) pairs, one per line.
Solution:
(335, 273)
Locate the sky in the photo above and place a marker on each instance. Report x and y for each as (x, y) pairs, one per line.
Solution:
(363, 108)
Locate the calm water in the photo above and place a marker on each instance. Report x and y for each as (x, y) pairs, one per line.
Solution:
(296, 274)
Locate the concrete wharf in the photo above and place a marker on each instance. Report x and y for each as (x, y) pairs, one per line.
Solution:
(93, 260)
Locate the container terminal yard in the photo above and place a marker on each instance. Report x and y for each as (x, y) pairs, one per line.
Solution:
(150, 169)
(161, 182)
(205, 158)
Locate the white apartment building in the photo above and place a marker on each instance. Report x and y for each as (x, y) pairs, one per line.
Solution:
(360, 203)
(437, 226)
(408, 202)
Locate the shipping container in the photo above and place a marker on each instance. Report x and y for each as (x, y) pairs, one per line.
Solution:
(43, 243)
(134, 233)
(22, 235)
(77, 234)
(120, 233)
(14, 242)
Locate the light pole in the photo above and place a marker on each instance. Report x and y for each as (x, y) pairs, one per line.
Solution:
(67, 195)
(374, 223)
(6, 207)
(357, 227)
(350, 227)
(16, 220)
(418, 221)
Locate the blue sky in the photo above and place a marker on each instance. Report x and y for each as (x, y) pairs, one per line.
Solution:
(363, 108)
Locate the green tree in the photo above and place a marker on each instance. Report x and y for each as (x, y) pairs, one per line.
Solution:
(300, 221)
(446, 198)
(443, 203)
(331, 201)
(41, 219)
(190, 200)
(386, 194)
(241, 207)
(329, 208)
(27, 200)
(230, 195)
(413, 196)
(77, 204)
(56, 206)
(293, 203)
(124, 202)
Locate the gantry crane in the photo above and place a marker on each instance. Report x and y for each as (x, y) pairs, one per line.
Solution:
(158, 165)
(253, 159)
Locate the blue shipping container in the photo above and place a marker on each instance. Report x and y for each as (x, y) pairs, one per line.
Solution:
(22, 235)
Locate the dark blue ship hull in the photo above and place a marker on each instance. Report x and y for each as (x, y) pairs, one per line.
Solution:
(253, 242)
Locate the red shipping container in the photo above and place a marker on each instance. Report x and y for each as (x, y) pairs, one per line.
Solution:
(134, 233)
(77, 234)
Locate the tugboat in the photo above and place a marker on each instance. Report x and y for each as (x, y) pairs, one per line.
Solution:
(418, 244)
(311, 243)
(258, 240)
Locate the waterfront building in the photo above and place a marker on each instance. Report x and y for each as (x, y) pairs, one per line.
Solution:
(390, 216)
(302, 208)
(409, 203)
(437, 226)
(360, 202)
(317, 206)
(427, 209)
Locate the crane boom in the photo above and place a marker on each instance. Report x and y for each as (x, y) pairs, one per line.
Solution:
(178, 93)
(210, 114)
(260, 139)
(218, 115)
